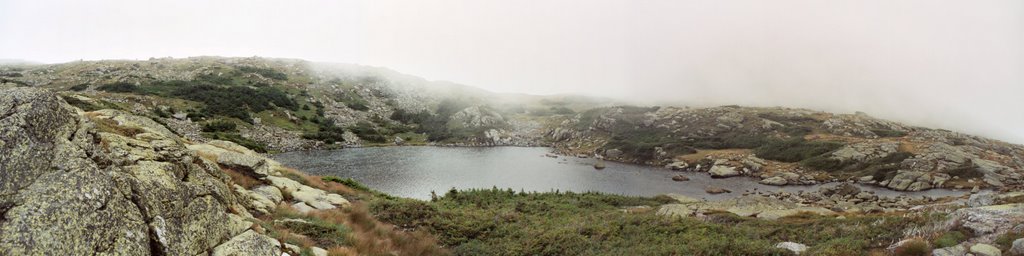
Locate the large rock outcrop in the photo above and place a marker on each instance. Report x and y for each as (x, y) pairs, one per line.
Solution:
(105, 182)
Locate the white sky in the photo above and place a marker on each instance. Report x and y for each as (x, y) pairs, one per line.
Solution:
(949, 64)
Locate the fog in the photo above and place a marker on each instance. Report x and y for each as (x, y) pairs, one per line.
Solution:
(957, 65)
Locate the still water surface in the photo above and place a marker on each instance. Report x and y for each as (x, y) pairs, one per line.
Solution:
(414, 172)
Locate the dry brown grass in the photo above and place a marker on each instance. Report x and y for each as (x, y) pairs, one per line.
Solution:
(318, 182)
(341, 251)
(367, 235)
(286, 236)
(246, 181)
(372, 237)
(909, 146)
(111, 126)
(338, 188)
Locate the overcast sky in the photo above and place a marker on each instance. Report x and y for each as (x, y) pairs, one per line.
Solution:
(949, 64)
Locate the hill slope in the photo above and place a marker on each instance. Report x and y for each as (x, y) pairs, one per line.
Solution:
(282, 105)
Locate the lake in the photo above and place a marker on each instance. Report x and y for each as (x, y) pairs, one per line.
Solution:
(415, 171)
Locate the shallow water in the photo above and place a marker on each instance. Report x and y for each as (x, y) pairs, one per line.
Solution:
(414, 172)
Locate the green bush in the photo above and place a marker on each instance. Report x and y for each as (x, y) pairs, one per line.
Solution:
(405, 213)
(234, 101)
(950, 238)
(882, 168)
(824, 162)
(265, 72)
(502, 221)
(326, 132)
(321, 231)
(966, 170)
(79, 87)
(220, 126)
(366, 131)
(352, 100)
(119, 87)
(407, 117)
(1005, 240)
(728, 140)
(794, 150)
(85, 106)
(349, 182)
(161, 113)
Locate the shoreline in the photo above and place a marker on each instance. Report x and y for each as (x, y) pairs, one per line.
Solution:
(790, 188)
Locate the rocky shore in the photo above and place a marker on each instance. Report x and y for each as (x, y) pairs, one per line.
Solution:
(111, 183)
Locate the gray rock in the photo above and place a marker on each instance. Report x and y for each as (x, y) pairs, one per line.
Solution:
(790, 176)
(722, 171)
(865, 151)
(678, 210)
(842, 189)
(1017, 248)
(613, 153)
(957, 250)
(776, 181)
(292, 248)
(683, 199)
(796, 248)
(475, 117)
(911, 181)
(678, 165)
(302, 208)
(270, 192)
(680, 178)
(980, 200)
(286, 185)
(985, 250)
(317, 251)
(867, 179)
(141, 193)
(252, 165)
(988, 221)
(249, 243)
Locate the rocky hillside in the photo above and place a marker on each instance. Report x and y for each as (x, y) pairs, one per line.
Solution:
(108, 182)
(283, 105)
(792, 146)
(161, 157)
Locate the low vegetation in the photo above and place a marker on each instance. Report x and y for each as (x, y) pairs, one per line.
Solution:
(220, 126)
(950, 238)
(881, 168)
(795, 149)
(914, 247)
(344, 231)
(326, 132)
(505, 222)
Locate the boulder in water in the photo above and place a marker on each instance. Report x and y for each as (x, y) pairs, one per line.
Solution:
(716, 190)
(722, 171)
(775, 181)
